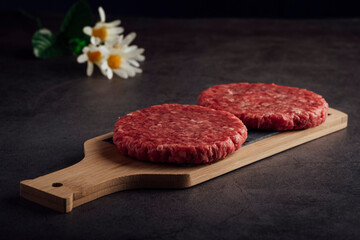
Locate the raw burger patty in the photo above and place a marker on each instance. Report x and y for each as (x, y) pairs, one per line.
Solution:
(267, 106)
(179, 134)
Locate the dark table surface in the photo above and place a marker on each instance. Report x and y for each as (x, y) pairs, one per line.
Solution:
(49, 108)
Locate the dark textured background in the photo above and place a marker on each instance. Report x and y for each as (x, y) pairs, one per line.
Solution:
(204, 8)
(49, 108)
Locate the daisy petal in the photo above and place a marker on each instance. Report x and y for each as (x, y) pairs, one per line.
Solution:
(120, 39)
(138, 70)
(87, 30)
(140, 58)
(104, 50)
(90, 68)
(113, 23)
(121, 73)
(135, 55)
(129, 69)
(104, 66)
(140, 51)
(102, 14)
(112, 42)
(103, 70)
(134, 62)
(82, 58)
(99, 25)
(95, 40)
(109, 74)
(129, 38)
(85, 49)
(131, 73)
(115, 30)
(130, 49)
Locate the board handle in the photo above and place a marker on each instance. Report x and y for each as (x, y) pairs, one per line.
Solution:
(70, 187)
(52, 190)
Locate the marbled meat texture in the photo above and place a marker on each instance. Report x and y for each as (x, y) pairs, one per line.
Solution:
(267, 106)
(177, 133)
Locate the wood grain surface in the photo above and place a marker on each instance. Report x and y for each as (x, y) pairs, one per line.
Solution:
(104, 170)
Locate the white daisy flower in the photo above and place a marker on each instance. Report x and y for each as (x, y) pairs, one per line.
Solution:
(93, 55)
(123, 60)
(103, 31)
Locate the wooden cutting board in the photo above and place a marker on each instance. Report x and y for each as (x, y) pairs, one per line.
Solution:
(104, 170)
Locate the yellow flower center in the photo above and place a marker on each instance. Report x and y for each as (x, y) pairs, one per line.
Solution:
(94, 56)
(114, 61)
(99, 33)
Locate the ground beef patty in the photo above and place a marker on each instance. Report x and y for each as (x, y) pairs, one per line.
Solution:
(267, 106)
(179, 134)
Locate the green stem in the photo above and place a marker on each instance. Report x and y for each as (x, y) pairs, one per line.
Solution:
(28, 15)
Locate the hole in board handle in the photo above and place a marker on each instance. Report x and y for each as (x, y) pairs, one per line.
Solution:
(329, 114)
(57, 184)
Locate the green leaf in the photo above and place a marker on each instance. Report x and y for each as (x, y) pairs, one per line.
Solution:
(71, 37)
(77, 44)
(46, 44)
(78, 16)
